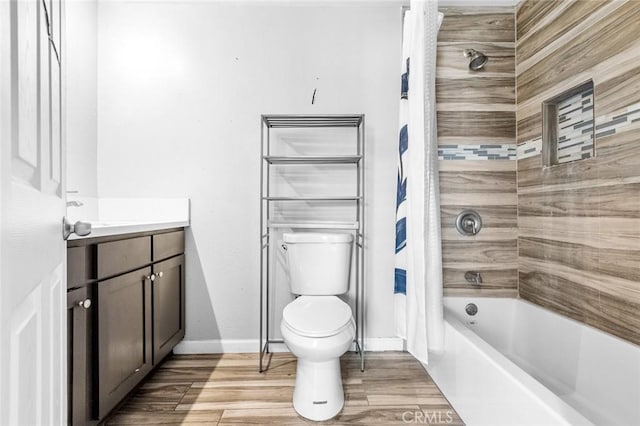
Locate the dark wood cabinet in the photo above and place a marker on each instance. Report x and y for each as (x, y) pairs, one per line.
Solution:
(136, 284)
(168, 306)
(79, 269)
(124, 336)
(79, 309)
(117, 257)
(167, 245)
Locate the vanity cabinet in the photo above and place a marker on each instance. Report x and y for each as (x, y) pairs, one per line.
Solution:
(136, 316)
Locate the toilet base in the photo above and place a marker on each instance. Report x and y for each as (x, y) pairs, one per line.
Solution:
(318, 393)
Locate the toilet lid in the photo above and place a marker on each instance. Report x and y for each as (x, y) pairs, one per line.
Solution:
(317, 316)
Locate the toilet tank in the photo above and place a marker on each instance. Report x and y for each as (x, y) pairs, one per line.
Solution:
(319, 263)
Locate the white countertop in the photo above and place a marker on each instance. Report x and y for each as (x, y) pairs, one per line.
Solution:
(116, 216)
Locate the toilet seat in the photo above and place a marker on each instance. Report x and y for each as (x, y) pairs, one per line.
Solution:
(317, 316)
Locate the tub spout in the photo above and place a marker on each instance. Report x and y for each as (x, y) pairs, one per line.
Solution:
(473, 277)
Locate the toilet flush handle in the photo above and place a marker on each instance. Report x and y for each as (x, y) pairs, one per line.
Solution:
(284, 247)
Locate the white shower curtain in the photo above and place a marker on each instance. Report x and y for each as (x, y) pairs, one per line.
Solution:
(418, 272)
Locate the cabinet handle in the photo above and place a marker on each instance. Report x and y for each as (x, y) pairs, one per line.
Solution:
(85, 304)
(159, 274)
(151, 277)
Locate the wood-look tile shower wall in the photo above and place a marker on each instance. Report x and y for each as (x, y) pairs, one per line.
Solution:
(579, 223)
(476, 138)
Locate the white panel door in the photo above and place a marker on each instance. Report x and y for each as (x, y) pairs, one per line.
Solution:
(32, 251)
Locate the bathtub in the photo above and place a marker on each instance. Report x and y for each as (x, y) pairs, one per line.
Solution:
(514, 363)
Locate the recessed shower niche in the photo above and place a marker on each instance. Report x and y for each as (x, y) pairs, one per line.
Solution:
(568, 126)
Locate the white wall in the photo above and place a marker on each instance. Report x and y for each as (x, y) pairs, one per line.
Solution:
(80, 61)
(181, 86)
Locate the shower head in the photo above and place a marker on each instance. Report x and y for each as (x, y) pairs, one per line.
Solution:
(478, 59)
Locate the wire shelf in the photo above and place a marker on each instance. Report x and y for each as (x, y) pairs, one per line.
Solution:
(293, 121)
(345, 198)
(315, 225)
(348, 159)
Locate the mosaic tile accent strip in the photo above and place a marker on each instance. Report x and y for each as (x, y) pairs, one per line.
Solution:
(623, 120)
(575, 127)
(530, 148)
(477, 152)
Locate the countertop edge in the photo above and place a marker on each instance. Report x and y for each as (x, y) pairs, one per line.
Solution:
(130, 228)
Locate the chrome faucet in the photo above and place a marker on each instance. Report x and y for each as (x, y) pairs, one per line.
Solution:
(74, 204)
(473, 277)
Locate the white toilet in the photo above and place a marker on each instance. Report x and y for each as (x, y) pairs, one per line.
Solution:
(318, 327)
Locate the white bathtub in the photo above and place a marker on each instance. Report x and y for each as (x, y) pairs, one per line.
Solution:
(514, 363)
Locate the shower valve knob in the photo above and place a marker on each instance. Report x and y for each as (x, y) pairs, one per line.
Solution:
(468, 222)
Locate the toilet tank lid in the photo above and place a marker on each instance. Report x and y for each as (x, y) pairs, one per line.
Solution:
(317, 237)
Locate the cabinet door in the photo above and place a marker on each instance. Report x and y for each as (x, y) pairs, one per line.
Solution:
(124, 336)
(79, 307)
(168, 306)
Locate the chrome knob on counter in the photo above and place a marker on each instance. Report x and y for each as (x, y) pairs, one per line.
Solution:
(85, 304)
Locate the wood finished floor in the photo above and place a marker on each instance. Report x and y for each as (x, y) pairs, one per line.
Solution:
(229, 390)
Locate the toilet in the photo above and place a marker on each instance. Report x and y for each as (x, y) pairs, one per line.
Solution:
(318, 327)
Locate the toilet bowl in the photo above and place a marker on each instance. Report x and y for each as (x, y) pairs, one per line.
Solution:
(318, 330)
(318, 327)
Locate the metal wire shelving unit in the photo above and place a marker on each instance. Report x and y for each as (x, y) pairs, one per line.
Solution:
(268, 225)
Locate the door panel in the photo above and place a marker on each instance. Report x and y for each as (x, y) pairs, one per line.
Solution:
(78, 358)
(55, 351)
(56, 131)
(124, 335)
(55, 47)
(28, 37)
(45, 93)
(25, 363)
(168, 306)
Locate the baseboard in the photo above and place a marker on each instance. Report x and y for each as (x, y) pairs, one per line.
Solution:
(381, 344)
(221, 346)
(218, 346)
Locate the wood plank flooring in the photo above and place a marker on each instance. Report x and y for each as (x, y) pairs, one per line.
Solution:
(228, 390)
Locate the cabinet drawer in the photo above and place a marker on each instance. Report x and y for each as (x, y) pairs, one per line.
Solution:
(167, 245)
(81, 268)
(76, 266)
(116, 257)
